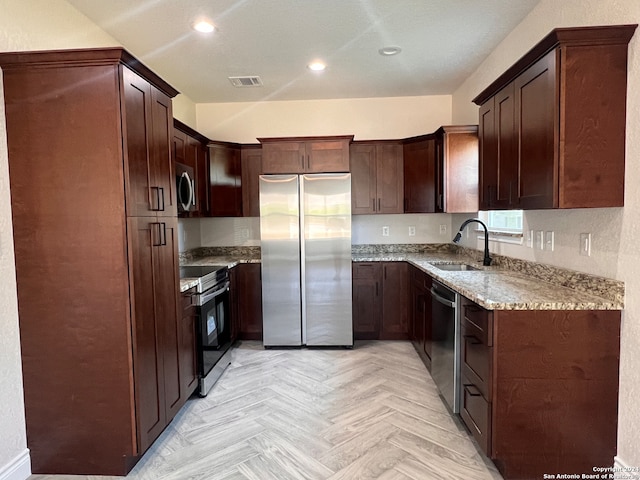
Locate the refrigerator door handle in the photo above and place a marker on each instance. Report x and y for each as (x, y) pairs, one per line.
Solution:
(303, 241)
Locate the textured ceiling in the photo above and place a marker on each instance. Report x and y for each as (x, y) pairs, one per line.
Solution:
(442, 41)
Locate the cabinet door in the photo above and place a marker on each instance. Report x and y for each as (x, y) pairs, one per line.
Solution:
(251, 167)
(188, 365)
(166, 287)
(149, 131)
(179, 145)
(225, 181)
(367, 299)
(363, 178)
(395, 295)
(162, 168)
(505, 194)
(143, 198)
(327, 156)
(419, 177)
(153, 260)
(389, 178)
(249, 301)
(488, 154)
(459, 158)
(536, 122)
(202, 178)
(283, 157)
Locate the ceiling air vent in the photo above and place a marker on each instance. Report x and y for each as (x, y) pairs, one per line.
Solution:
(241, 82)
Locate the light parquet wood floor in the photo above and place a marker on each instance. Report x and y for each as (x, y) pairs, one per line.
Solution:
(315, 414)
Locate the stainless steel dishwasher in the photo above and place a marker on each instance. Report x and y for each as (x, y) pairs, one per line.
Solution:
(445, 346)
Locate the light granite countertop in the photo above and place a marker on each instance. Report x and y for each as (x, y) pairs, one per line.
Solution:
(500, 287)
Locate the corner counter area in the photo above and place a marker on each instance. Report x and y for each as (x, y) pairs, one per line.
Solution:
(536, 347)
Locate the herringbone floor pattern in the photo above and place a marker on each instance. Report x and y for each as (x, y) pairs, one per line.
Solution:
(316, 414)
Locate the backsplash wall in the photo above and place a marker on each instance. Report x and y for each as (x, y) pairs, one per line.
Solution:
(365, 229)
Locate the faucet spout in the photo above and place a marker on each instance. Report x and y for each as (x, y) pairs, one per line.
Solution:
(486, 261)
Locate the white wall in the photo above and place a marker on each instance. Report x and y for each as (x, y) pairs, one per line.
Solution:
(365, 229)
(366, 118)
(615, 249)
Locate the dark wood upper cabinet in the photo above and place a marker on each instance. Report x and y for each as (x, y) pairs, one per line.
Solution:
(552, 127)
(251, 166)
(305, 154)
(100, 351)
(376, 177)
(441, 171)
(150, 174)
(190, 148)
(225, 180)
(420, 175)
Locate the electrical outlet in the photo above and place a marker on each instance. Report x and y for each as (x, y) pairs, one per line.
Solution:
(244, 232)
(443, 229)
(385, 231)
(549, 240)
(412, 230)
(529, 238)
(585, 244)
(540, 240)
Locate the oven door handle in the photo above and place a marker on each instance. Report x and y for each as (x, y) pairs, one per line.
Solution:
(205, 297)
(442, 300)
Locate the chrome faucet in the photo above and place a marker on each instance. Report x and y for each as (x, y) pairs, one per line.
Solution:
(486, 261)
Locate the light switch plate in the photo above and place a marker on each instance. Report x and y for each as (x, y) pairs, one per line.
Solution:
(529, 238)
(540, 240)
(385, 231)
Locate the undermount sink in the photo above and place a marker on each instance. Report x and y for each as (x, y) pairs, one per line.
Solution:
(455, 267)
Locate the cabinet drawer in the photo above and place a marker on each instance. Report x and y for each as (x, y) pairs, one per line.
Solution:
(476, 414)
(367, 270)
(476, 363)
(477, 322)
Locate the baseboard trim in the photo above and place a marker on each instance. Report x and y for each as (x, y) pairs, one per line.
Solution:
(18, 469)
(629, 472)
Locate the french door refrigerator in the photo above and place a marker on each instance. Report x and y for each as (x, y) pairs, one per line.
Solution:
(305, 230)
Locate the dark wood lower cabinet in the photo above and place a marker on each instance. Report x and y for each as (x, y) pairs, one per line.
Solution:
(153, 244)
(246, 301)
(420, 313)
(188, 360)
(367, 300)
(380, 296)
(395, 296)
(540, 388)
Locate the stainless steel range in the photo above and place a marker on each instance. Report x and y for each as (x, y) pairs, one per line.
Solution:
(213, 324)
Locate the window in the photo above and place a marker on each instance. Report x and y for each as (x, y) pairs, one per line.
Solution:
(503, 220)
(505, 226)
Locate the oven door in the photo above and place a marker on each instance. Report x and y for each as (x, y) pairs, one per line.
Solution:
(214, 322)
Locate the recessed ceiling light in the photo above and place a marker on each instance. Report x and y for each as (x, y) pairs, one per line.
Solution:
(389, 51)
(204, 26)
(316, 66)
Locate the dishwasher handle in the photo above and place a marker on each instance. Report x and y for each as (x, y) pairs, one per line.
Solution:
(442, 300)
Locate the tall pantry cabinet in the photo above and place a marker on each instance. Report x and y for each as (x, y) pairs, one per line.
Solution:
(95, 233)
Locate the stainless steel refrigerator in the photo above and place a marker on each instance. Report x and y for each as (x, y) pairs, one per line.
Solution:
(305, 231)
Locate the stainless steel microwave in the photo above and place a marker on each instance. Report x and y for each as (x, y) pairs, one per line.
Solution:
(185, 188)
